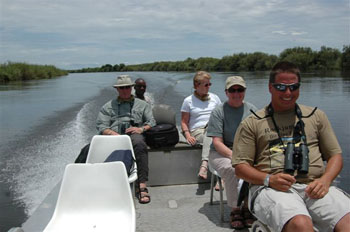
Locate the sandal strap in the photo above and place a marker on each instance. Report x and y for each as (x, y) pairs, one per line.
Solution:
(143, 190)
(236, 215)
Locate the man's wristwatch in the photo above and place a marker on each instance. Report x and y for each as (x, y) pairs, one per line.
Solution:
(267, 180)
(142, 129)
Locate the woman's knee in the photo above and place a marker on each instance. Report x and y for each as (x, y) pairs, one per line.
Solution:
(227, 172)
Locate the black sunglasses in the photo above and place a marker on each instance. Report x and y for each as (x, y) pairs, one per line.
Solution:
(124, 87)
(208, 84)
(283, 87)
(239, 90)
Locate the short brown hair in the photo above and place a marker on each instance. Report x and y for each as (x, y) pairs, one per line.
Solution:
(283, 67)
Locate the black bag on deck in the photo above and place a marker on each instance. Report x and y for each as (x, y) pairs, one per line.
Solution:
(165, 133)
(162, 135)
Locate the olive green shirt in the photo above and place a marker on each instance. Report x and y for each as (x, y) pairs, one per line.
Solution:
(257, 142)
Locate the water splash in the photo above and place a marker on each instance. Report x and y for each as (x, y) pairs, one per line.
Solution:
(39, 165)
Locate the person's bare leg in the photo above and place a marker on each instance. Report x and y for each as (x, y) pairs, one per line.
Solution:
(203, 170)
(300, 223)
(344, 224)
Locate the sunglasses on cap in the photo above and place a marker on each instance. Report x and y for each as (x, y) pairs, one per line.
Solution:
(283, 87)
(125, 87)
(239, 90)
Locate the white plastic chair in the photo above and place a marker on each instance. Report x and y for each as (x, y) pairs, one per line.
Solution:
(102, 146)
(260, 227)
(94, 197)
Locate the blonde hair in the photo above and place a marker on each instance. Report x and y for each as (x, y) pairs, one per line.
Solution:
(200, 75)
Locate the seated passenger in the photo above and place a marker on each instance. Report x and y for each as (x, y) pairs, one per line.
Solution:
(294, 193)
(195, 113)
(140, 89)
(222, 126)
(127, 115)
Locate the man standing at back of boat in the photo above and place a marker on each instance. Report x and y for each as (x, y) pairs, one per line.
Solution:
(280, 152)
(132, 116)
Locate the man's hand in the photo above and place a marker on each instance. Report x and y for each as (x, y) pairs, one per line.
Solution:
(134, 130)
(281, 181)
(109, 132)
(317, 189)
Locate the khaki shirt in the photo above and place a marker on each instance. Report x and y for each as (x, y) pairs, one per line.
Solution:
(257, 143)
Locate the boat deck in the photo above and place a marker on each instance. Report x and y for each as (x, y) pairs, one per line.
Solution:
(180, 201)
(179, 208)
(174, 208)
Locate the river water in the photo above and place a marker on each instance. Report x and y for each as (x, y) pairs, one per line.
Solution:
(45, 123)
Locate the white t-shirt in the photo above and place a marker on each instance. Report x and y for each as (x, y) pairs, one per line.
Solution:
(199, 110)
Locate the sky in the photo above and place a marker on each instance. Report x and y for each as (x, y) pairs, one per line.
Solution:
(73, 34)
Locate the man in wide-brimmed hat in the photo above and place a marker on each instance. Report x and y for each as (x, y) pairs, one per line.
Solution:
(132, 116)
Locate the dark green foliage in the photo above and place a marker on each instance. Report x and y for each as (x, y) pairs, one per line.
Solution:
(307, 60)
(345, 59)
(22, 71)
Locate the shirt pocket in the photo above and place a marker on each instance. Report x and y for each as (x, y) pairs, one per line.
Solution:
(137, 116)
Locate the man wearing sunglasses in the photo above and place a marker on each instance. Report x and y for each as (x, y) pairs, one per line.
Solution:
(129, 115)
(299, 198)
(222, 126)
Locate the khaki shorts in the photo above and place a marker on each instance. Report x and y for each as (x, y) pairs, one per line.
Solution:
(275, 208)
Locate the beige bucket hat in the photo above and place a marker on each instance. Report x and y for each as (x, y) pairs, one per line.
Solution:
(123, 80)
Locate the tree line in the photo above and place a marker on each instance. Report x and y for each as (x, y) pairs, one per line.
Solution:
(326, 59)
(12, 71)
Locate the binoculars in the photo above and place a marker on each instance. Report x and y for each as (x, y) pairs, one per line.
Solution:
(296, 158)
(126, 125)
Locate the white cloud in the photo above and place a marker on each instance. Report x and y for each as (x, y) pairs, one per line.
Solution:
(280, 32)
(133, 31)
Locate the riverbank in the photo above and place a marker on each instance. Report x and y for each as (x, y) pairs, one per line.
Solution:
(22, 72)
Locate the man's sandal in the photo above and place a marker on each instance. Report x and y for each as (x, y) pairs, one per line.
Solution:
(248, 218)
(143, 193)
(236, 219)
(203, 172)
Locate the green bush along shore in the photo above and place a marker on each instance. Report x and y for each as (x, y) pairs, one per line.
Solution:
(326, 59)
(11, 71)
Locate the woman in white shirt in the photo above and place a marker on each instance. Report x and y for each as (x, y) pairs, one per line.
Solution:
(195, 113)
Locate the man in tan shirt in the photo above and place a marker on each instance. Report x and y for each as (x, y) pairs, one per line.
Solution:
(295, 195)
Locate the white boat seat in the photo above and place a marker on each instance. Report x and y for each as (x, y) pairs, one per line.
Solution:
(94, 197)
(103, 145)
(260, 227)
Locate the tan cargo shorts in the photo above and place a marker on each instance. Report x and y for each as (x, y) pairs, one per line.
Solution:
(275, 208)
